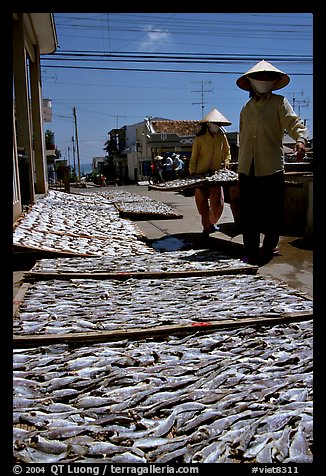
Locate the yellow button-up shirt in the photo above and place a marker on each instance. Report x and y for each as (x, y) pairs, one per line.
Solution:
(262, 126)
(209, 153)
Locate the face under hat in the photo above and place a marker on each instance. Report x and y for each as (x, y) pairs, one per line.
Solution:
(215, 116)
(281, 79)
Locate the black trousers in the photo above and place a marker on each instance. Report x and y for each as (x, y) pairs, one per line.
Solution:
(261, 211)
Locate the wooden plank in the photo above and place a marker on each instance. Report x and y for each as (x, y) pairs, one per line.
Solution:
(124, 275)
(80, 338)
(173, 188)
(34, 249)
(144, 216)
(201, 183)
(64, 233)
(19, 297)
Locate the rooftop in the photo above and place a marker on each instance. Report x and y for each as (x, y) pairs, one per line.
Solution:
(182, 128)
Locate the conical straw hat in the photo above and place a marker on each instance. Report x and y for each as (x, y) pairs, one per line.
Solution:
(283, 80)
(215, 116)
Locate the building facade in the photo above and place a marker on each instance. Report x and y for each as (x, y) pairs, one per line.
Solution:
(158, 137)
(34, 34)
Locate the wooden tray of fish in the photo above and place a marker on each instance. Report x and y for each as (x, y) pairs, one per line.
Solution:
(79, 225)
(220, 177)
(136, 206)
(237, 396)
(146, 210)
(75, 305)
(173, 263)
(81, 246)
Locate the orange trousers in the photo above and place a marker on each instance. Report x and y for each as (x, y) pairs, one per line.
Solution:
(210, 204)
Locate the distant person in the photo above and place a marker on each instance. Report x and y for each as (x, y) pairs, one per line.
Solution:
(102, 180)
(178, 166)
(263, 120)
(156, 168)
(210, 152)
(168, 168)
(186, 161)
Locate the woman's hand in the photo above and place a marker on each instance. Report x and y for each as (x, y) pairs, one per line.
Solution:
(300, 150)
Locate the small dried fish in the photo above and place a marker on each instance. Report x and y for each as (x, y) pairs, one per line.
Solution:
(215, 397)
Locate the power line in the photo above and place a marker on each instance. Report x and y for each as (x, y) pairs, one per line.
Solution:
(271, 27)
(214, 28)
(147, 70)
(178, 55)
(179, 58)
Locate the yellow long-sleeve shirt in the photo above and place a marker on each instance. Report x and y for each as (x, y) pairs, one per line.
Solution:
(209, 153)
(262, 126)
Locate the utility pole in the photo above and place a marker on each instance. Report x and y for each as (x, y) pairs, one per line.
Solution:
(299, 103)
(202, 91)
(303, 103)
(293, 97)
(117, 116)
(295, 103)
(74, 157)
(77, 143)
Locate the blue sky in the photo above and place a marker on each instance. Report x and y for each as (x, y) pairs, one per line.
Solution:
(204, 52)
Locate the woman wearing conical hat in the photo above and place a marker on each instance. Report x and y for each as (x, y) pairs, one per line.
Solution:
(210, 151)
(263, 121)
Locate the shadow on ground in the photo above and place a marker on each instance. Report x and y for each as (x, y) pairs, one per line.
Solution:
(229, 229)
(302, 244)
(196, 241)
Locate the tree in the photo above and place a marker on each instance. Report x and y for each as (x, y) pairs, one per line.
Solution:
(49, 140)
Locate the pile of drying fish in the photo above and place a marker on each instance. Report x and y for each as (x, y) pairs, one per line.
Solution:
(237, 396)
(228, 396)
(220, 177)
(132, 204)
(78, 224)
(56, 306)
(199, 260)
